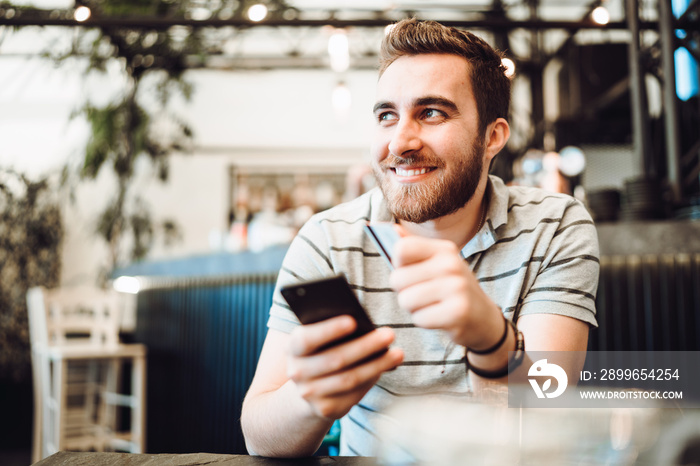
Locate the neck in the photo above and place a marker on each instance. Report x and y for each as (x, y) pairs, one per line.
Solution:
(459, 226)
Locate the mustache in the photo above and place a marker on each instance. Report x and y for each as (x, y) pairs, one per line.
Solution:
(415, 159)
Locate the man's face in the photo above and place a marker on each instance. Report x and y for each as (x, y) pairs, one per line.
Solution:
(427, 154)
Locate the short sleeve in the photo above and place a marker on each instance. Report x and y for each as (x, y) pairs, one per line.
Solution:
(568, 278)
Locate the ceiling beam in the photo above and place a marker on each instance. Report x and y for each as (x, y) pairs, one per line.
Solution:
(159, 23)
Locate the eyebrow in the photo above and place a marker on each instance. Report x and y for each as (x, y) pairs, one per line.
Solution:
(420, 102)
(382, 105)
(433, 100)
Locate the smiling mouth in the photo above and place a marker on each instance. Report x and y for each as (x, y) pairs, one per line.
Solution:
(412, 171)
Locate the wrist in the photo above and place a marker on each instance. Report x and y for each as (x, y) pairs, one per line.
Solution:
(495, 346)
(485, 329)
(501, 362)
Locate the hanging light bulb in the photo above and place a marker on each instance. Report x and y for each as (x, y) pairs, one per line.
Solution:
(257, 12)
(82, 13)
(600, 15)
(509, 66)
(339, 51)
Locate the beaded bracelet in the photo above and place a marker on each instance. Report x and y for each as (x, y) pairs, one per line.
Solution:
(518, 356)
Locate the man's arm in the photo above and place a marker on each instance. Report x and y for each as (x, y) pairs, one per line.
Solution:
(440, 291)
(541, 332)
(298, 391)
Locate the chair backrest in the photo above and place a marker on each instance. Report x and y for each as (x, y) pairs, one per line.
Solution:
(36, 308)
(80, 318)
(68, 316)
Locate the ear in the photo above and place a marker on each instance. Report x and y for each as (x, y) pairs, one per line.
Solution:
(497, 134)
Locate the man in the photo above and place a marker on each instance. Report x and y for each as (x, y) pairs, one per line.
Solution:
(473, 254)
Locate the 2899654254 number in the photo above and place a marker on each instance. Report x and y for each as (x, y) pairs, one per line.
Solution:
(639, 374)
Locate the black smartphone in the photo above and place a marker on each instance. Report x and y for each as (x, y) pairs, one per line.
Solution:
(317, 300)
(384, 238)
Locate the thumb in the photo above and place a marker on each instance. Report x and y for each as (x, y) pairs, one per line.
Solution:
(401, 230)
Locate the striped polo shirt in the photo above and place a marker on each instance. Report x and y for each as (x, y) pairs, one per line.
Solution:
(537, 253)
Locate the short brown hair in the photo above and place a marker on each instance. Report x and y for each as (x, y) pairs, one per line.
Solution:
(490, 84)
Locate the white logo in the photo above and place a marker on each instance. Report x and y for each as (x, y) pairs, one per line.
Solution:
(542, 368)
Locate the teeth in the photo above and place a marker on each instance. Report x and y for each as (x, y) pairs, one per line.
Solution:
(419, 171)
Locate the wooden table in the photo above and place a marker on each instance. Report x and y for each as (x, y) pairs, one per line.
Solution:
(66, 458)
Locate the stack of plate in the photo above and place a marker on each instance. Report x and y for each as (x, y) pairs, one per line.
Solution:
(642, 199)
(604, 204)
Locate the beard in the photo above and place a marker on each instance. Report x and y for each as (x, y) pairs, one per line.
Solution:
(446, 193)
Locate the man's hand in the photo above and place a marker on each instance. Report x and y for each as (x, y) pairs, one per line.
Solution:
(333, 380)
(435, 284)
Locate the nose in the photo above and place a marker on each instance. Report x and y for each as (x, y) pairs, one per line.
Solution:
(405, 139)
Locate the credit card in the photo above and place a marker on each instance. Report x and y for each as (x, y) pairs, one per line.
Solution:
(384, 238)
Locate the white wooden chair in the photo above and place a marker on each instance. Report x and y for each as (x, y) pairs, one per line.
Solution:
(77, 364)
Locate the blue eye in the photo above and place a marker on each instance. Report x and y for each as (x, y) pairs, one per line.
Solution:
(433, 113)
(386, 116)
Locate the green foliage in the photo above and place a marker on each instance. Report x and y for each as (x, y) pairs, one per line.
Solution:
(122, 131)
(118, 132)
(31, 236)
(171, 232)
(108, 223)
(142, 228)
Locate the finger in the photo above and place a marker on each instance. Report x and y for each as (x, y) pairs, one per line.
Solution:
(425, 293)
(413, 249)
(401, 231)
(351, 379)
(308, 339)
(444, 314)
(340, 357)
(440, 265)
(336, 406)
